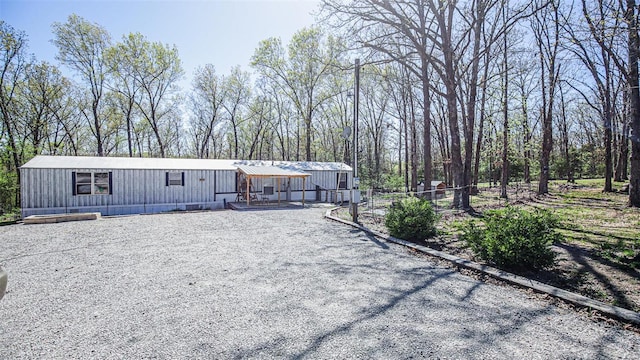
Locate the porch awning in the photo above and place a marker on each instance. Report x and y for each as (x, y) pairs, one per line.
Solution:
(270, 172)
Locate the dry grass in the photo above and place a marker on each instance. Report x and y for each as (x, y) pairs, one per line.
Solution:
(600, 254)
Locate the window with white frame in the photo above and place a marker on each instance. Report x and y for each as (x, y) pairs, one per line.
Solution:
(91, 183)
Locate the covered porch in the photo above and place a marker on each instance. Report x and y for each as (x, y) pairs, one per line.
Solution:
(247, 195)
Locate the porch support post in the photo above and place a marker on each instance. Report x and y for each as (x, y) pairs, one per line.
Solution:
(304, 180)
(248, 187)
(279, 180)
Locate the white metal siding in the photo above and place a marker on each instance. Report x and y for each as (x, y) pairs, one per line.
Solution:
(226, 182)
(327, 179)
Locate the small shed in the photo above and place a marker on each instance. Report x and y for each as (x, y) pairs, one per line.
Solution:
(121, 185)
(436, 185)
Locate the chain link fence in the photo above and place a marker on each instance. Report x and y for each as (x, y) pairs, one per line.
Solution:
(377, 203)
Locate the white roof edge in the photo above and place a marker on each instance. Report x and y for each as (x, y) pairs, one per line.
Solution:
(95, 162)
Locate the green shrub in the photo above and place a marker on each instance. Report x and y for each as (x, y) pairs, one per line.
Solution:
(393, 182)
(8, 191)
(514, 238)
(411, 219)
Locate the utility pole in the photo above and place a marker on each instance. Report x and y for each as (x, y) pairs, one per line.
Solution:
(356, 180)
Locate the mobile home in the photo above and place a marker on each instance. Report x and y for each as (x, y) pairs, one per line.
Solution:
(119, 185)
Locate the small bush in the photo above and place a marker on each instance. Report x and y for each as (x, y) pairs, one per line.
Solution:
(393, 183)
(514, 238)
(411, 219)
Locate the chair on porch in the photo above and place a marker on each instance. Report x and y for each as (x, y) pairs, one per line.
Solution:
(244, 193)
(267, 191)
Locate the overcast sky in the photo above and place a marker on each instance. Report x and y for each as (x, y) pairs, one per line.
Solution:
(224, 33)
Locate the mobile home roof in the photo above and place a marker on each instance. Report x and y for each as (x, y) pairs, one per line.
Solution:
(94, 162)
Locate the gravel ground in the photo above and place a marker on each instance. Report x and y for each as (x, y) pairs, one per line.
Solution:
(264, 284)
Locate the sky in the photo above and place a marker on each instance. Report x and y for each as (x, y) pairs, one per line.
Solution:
(224, 33)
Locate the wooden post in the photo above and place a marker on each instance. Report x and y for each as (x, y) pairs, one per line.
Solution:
(304, 179)
(248, 187)
(279, 191)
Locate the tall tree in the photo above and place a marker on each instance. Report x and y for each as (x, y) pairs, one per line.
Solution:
(504, 178)
(402, 31)
(13, 56)
(207, 97)
(374, 93)
(122, 59)
(157, 69)
(437, 33)
(628, 68)
(42, 96)
(237, 93)
(599, 65)
(300, 72)
(81, 46)
(546, 29)
(631, 18)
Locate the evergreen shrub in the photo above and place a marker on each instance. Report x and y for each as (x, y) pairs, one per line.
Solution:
(514, 238)
(411, 219)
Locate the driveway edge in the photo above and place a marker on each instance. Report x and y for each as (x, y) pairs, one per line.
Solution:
(577, 299)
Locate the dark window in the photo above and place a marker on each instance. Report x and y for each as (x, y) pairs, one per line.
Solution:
(175, 178)
(342, 181)
(83, 183)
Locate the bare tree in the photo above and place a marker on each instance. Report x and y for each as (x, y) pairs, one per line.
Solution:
(207, 97)
(237, 92)
(546, 30)
(599, 65)
(628, 68)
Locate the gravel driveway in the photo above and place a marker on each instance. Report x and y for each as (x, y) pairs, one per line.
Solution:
(263, 284)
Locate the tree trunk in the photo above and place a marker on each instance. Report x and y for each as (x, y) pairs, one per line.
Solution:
(483, 103)
(471, 105)
(96, 123)
(461, 195)
(623, 155)
(634, 101)
(414, 147)
(505, 125)
(406, 153)
(547, 143)
(548, 92)
(565, 139)
(426, 131)
(526, 139)
(608, 172)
